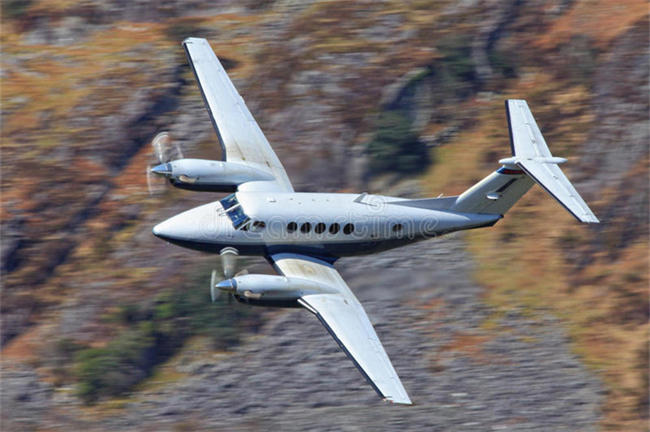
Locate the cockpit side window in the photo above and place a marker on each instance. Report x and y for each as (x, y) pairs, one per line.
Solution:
(235, 212)
(229, 201)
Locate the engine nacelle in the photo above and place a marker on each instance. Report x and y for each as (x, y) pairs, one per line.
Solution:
(208, 175)
(262, 288)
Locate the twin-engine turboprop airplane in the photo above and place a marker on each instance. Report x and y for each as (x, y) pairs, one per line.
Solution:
(303, 234)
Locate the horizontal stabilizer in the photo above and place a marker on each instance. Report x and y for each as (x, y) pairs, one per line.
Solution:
(531, 154)
(551, 178)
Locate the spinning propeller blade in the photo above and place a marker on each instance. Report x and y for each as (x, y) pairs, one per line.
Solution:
(214, 292)
(164, 150)
(229, 267)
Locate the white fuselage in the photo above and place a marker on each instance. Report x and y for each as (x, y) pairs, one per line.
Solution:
(330, 225)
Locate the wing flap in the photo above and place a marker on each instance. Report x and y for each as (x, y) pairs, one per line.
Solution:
(346, 320)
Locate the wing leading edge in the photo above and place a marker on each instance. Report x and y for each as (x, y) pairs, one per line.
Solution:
(240, 136)
(347, 322)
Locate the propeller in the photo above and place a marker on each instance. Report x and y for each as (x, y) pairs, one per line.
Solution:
(164, 150)
(215, 293)
(229, 261)
(229, 266)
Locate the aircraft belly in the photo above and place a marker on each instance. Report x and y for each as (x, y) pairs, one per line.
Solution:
(252, 249)
(333, 250)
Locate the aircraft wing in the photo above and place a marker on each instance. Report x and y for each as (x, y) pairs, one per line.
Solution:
(344, 317)
(241, 138)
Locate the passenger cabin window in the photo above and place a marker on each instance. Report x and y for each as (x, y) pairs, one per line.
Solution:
(348, 228)
(334, 228)
(319, 228)
(305, 228)
(259, 224)
(292, 227)
(397, 227)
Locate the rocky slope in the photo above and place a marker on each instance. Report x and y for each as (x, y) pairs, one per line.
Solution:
(515, 374)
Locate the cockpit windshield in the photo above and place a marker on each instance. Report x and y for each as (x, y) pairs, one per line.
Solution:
(235, 212)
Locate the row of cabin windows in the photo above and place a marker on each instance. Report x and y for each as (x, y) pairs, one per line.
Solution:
(334, 228)
(320, 228)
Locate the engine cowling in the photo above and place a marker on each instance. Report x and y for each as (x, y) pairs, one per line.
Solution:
(208, 175)
(261, 288)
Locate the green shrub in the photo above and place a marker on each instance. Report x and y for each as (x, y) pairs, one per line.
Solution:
(503, 63)
(117, 367)
(457, 58)
(15, 9)
(155, 332)
(395, 146)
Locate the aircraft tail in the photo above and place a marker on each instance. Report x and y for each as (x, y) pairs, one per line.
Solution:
(531, 162)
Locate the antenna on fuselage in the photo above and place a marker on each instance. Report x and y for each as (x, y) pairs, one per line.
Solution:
(360, 198)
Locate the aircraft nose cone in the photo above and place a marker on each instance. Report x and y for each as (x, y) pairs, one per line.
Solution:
(162, 169)
(172, 228)
(160, 231)
(229, 285)
(200, 225)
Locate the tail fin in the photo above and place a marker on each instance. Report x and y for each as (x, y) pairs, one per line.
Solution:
(531, 162)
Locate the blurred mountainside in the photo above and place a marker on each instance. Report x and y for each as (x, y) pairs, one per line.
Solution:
(386, 97)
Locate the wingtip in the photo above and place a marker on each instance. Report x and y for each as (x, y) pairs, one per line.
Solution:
(191, 39)
(405, 401)
(588, 218)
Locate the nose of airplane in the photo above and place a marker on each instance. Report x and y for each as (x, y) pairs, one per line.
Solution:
(166, 230)
(200, 224)
(183, 226)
